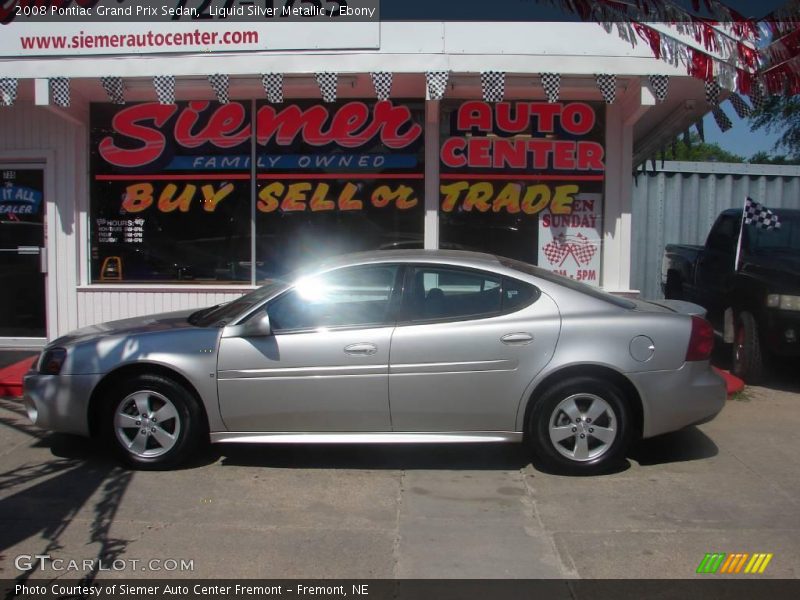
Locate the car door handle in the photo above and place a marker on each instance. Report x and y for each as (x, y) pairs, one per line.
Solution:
(517, 339)
(361, 349)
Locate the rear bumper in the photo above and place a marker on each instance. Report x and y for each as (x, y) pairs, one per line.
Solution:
(59, 402)
(672, 400)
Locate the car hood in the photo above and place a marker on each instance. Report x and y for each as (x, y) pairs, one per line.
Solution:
(134, 325)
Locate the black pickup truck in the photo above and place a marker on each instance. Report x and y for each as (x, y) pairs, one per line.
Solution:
(757, 306)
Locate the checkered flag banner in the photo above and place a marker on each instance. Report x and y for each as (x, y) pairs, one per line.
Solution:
(436, 84)
(757, 96)
(551, 83)
(712, 93)
(382, 82)
(273, 87)
(608, 86)
(739, 105)
(8, 91)
(723, 122)
(327, 85)
(114, 89)
(660, 85)
(165, 88)
(59, 91)
(759, 215)
(220, 84)
(493, 84)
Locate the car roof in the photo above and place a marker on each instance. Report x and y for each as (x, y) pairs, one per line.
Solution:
(459, 257)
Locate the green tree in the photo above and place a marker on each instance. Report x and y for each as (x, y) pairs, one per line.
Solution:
(780, 114)
(764, 158)
(697, 151)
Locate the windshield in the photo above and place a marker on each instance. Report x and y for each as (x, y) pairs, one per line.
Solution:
(222, 314)
(786, 238)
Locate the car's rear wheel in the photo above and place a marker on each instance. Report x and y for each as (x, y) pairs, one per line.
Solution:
(581, 426)
(153, 422)
(748, 358)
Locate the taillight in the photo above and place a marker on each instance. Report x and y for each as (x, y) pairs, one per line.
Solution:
(701, 343)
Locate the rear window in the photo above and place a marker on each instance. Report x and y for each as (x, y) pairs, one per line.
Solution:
(565, 282)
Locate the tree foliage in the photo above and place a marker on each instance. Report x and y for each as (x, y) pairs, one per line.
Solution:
(697, 151)
(781, 114)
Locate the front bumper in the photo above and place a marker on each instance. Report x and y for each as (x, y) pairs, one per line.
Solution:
(775, 325)
(672, 400)
(59, 402)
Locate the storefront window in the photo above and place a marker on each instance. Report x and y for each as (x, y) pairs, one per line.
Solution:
(337, 178)
(171, 196)
(171, 193)
(524, 180)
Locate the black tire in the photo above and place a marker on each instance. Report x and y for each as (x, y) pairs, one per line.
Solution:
(182, 429)
(673, 289)
(583, 391)
(748, 360)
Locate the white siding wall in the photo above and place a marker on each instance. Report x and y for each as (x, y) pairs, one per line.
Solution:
(679, 202)
(98, 305)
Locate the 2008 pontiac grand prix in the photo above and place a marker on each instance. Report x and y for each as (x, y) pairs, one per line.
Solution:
(389, 346)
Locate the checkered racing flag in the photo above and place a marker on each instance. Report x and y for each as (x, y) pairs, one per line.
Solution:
(756, 94)
(59, 91)
(759, 215)
(436, 84)
(327, 85)
(165, 88)
(382, 82)
(493, 84)
(712, 93)
(8, 91)
(723, 122)
(273, 87)
(608, 86)
(660, 85)
(551, 83)
(578, 246)
(219, 83)
(114, 89)
(739, 105)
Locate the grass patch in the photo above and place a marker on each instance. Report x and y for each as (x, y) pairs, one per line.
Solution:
(741, 396)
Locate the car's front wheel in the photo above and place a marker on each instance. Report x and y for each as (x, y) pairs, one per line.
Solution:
(153, 422)
(581, 425)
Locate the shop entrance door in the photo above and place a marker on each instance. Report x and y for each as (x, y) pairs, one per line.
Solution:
(22, 264)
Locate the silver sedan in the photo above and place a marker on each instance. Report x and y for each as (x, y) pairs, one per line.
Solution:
(390, 346)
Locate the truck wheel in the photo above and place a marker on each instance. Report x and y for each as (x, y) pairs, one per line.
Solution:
(748, 359)
(673, 290)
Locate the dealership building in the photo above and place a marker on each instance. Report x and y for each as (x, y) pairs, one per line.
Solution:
(162, 165)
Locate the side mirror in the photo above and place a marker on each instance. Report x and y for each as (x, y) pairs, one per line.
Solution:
(257, 326)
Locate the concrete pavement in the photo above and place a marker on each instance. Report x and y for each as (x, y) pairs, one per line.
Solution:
(406, 512)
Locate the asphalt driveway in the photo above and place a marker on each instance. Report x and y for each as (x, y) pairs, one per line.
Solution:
(407, 512)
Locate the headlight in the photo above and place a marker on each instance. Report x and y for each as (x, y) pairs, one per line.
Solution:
(783, 302)
(52, 360)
